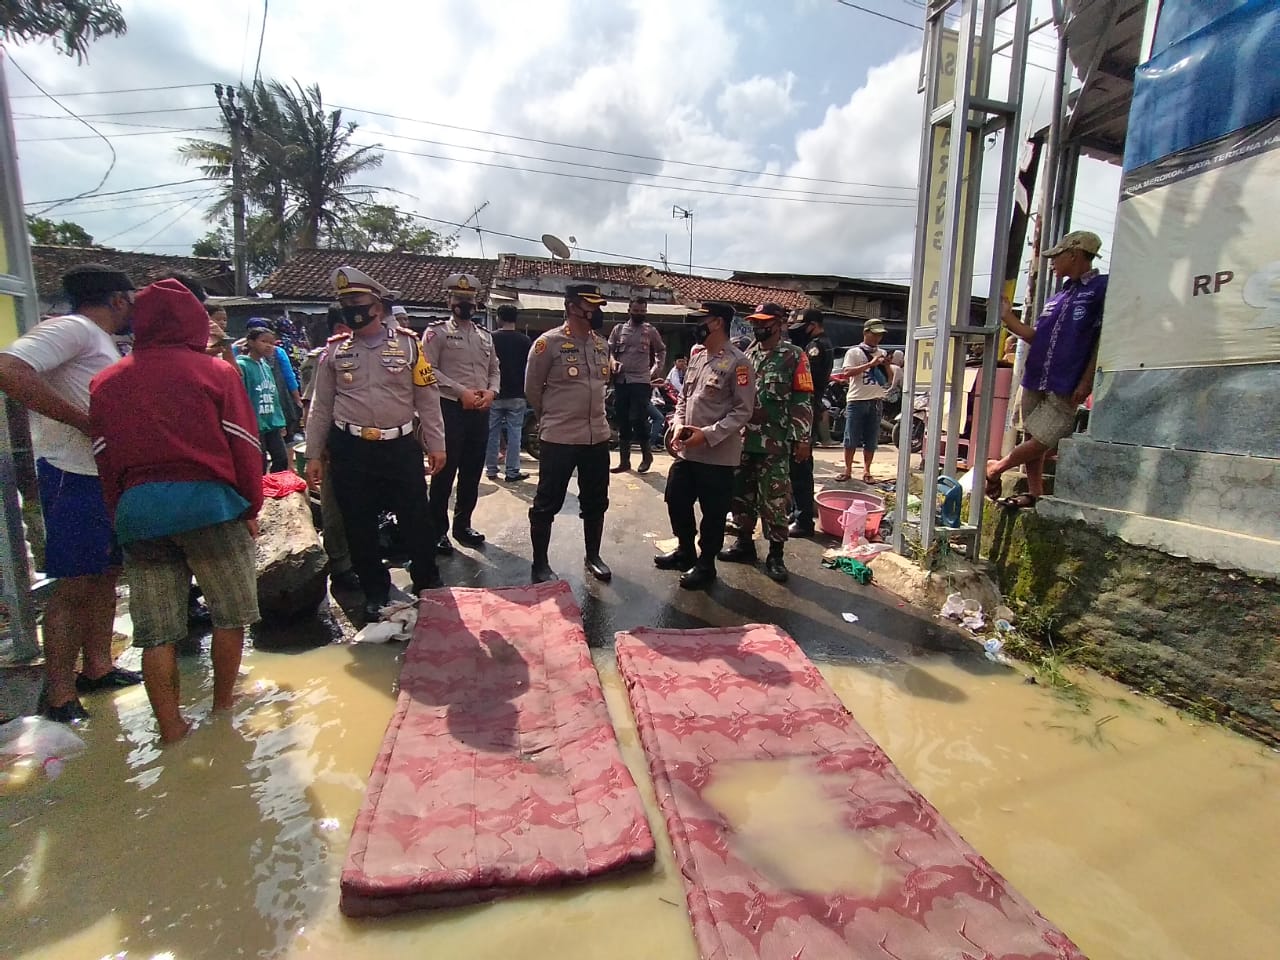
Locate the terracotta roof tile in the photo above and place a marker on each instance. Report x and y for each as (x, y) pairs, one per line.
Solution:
(419, 279)
(51, 262)
(691, 289)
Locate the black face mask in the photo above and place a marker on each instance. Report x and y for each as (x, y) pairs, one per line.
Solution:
(597, 319)
(357, 315)
(762, 333)
(799, 334)
(701, 332)
(464, 311)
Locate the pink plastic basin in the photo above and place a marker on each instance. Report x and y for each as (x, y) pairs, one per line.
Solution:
(833, 503)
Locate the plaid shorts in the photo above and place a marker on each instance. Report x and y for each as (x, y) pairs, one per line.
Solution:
(159, 575)
(1048, 417)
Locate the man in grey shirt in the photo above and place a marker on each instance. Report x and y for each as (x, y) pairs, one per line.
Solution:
(564, 383)
(718, 398)
(638, 354)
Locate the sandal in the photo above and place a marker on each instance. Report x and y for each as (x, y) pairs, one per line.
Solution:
(867, 478)
(1022, 501)
(113, 679)
(841, 478)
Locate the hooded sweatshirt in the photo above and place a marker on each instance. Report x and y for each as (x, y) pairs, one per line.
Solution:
(170, 418)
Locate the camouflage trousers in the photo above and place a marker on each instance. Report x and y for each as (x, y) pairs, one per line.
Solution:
(762, 489)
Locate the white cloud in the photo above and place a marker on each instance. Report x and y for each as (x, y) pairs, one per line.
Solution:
(757, 102)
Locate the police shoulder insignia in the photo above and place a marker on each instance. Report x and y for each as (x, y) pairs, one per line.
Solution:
(401, 328)
(336, 337)
(744, 375)
(423, 375)
(540, 345)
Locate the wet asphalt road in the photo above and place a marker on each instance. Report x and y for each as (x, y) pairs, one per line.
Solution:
(809, 606)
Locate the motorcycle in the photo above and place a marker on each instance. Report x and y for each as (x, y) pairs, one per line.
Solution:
(919, 414)
(833, 401)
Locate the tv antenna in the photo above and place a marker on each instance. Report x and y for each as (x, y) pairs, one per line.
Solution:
(680, 213)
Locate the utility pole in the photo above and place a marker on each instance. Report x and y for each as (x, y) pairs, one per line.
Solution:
(233, 113)
(680, 213)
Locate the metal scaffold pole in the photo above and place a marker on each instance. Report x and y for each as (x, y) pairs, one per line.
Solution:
(967, 101)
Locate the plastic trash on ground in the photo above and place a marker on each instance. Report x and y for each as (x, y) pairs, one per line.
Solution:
(993, 649)
(953, 608)
(48, 743)
(397, 623)
(850, 617)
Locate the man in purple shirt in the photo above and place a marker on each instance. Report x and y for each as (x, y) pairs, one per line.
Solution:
(1060, 362)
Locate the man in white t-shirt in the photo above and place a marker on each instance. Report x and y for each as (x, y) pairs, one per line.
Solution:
(48, 371)
(868, 369)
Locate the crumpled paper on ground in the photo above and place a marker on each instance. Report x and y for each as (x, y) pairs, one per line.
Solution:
(397, 623)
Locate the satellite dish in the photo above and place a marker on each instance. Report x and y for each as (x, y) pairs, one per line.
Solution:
(556, 246)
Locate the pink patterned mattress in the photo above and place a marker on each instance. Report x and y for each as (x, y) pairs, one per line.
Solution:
(795, 835)
(500, 770)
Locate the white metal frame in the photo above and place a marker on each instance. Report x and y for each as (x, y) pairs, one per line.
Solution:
(977, 114)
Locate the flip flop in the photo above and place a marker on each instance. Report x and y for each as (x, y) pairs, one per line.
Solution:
(841, 478)
(993, 485)
(867, 478)
(113, 679)
(1021, 501)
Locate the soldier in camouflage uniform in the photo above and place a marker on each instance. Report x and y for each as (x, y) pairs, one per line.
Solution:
(778, 430)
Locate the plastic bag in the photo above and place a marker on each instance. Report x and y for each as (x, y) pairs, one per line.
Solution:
(50, 744)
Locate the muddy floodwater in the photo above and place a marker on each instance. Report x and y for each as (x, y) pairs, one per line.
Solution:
(1140, 833)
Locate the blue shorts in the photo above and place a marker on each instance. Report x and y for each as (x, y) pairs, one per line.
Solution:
(862, 425)
(79, 541)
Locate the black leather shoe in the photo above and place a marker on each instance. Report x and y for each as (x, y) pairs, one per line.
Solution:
(775, 567)
(698, 578)
(444, 547)
(677, 559)
(373, 610)
(346, 580)
(468, 537)
(646, 461)
(744, 551)
(542, 573)
(799, 529)
(623, 467)
(516, 478)
(113, 679)
(598, 569)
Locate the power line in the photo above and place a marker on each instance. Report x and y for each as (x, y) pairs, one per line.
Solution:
(181, 213)
(120, 113)
(114, 193)
(103, 93)
(877, 13)
(261, 36)
(110, 166)
(158, 132)
(200, 197)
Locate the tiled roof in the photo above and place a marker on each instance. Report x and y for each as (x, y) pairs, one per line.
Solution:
(419, 279)
(691, 289)
(51, 262)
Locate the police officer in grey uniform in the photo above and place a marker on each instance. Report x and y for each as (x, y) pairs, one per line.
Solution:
(371, 385)
(638, 356)
(466, 367)
(564, 383)
(718, 398)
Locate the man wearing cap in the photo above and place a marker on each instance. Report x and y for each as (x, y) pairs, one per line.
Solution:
(638, 354)
(370, 385)
(1061, 361)
(716, 400)
(466, 367)
(564, 383)
(807, 334)
(777, 431)
(868, 369)
(48, 371)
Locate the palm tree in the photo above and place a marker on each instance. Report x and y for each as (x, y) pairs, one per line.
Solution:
(322, 163)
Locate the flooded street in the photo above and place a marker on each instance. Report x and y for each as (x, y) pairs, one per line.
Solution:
(1140, 833)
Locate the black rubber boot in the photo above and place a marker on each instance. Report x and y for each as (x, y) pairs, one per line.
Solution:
(624, 460)
(540, 534)
(646, 455)
(775, 566)
(743, 551)
(592, 534)
(682, 557)
(700, 577)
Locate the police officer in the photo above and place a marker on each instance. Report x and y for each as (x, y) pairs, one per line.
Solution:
(638, 355)
(808, 335)
(564, 383)
(778, 430)
(370, 385)
(466, 367)
(715, 403)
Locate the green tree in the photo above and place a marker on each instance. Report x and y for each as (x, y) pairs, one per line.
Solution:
(70, 24)
(259, 233)
(380, 227)
(64, 233)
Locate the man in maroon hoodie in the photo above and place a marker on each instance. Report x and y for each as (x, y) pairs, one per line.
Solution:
(176, 442)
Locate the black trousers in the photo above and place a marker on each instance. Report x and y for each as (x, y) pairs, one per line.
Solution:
(368, 477)
(273, 449)
(802, 476)
(556, 464)
(711, 487)
(631, 406)
(466, 440)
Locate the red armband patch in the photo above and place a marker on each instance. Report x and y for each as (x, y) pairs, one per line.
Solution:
(802, 382)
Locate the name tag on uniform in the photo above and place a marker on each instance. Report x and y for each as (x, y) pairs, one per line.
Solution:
(568, 347)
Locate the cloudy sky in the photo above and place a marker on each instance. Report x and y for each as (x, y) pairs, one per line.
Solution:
(790, 128)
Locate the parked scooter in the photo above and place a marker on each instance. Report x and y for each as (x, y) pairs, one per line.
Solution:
(833, 401)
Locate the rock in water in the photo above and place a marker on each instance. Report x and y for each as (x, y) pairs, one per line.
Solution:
(292, 565)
